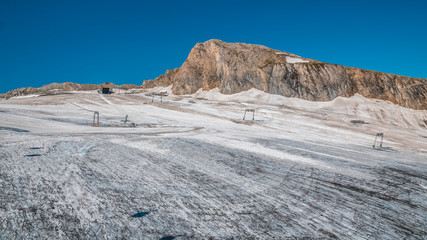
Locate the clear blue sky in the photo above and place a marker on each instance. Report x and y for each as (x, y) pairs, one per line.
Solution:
(130, 41)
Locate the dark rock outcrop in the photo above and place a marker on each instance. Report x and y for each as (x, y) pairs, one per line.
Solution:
(236, 67)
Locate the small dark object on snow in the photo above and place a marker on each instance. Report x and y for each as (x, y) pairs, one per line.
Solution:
(141, 214)
(168, 238)
(105, 90)
(36, 148)
(32, 155)
(126, 120)
(358, 122)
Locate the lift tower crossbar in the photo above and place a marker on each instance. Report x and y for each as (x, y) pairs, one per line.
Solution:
(95, 121)
(249, 110)
(381, 141)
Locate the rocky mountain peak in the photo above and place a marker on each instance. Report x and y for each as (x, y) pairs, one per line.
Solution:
(236, 67)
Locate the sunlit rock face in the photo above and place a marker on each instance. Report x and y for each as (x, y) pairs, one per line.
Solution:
(236, 67)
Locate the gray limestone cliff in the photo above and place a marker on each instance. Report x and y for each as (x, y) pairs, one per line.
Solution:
(236, 67)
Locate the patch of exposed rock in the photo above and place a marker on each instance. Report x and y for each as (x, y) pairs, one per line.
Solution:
(236, 67)
(60, 88)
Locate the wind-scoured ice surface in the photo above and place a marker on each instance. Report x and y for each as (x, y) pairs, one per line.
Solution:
(192, 168)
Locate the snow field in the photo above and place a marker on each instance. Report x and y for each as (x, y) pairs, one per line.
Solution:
(301, 169)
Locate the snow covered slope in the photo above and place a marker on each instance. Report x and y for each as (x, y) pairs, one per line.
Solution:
(194, 169)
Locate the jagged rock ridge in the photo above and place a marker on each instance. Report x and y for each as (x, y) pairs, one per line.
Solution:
(236, 67)
(59, 88)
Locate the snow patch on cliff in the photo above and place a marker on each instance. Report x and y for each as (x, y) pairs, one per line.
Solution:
(295, 60)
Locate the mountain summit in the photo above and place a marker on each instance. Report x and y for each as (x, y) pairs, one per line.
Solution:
(236, 67)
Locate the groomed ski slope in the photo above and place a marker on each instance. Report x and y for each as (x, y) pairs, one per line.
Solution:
(193, 168)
